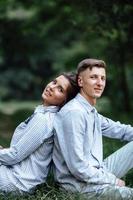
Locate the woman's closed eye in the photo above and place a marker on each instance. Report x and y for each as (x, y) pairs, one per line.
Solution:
(60, 89)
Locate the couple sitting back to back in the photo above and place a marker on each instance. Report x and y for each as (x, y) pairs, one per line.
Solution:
(78, 149)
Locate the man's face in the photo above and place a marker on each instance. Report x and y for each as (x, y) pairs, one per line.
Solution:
(56, 91)
(92, 83)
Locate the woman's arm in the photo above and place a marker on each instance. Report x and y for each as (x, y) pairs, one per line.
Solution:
(37, 131)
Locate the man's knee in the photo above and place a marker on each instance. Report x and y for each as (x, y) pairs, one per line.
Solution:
(117, 193)
(130, 146)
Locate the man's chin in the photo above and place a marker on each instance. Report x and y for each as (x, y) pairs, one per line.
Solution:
(97, 96)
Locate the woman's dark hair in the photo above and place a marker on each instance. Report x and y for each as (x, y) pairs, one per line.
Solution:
(74, 89)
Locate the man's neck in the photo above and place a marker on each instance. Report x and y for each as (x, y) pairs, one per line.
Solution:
(91, 100)
(93, 103)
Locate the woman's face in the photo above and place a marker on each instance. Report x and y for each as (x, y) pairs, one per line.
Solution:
(56, 92)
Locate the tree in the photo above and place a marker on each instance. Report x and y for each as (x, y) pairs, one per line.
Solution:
(41, 38)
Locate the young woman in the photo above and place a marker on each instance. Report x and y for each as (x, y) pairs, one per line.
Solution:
(25, 164)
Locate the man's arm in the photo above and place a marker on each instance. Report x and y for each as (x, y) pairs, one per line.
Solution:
(116, 130)
(36, 132)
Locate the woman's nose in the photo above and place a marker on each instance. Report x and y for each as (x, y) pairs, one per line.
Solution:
(52, 87)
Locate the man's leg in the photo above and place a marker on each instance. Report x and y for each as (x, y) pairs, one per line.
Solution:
(119, 163)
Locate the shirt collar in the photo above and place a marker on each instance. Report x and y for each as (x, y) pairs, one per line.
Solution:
(85, 103)
(43, 109)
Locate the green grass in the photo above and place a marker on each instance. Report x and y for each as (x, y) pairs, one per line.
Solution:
(45, 193)
(12, 114)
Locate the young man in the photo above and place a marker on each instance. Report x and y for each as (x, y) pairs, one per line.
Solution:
(78, 150)
(25, 164)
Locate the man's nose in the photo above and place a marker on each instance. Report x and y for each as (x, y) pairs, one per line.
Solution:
(99, 81)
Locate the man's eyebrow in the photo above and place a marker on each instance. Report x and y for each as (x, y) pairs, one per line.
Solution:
(97, 75)
(94, 75)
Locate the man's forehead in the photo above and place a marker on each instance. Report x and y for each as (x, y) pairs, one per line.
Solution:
(96, 70)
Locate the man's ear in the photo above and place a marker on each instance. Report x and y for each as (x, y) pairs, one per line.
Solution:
(80, 81)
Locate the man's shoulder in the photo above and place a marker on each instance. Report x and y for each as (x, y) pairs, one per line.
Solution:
(71, 106)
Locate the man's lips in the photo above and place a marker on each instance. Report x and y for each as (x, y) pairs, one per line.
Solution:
(98, 89)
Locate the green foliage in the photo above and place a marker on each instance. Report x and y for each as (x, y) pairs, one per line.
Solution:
(38, 39)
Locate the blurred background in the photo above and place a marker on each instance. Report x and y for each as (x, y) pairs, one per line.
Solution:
(39, 39)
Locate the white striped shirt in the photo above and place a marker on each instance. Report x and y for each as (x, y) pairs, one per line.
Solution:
(26, 163)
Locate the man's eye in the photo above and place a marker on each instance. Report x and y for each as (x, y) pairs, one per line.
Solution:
(103, 78)
(93, 77)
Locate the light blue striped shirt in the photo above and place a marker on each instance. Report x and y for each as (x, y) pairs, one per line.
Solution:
(78, 149)
(26, 163)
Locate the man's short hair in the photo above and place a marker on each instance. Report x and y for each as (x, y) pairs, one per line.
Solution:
(90, 63)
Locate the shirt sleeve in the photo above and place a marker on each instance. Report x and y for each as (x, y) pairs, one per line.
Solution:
(116, 130)
(37, 131)
(71, 139)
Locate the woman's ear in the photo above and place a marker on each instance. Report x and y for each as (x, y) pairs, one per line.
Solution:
(80, 81)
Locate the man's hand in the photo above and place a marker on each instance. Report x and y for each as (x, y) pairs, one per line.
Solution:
(120, 182)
